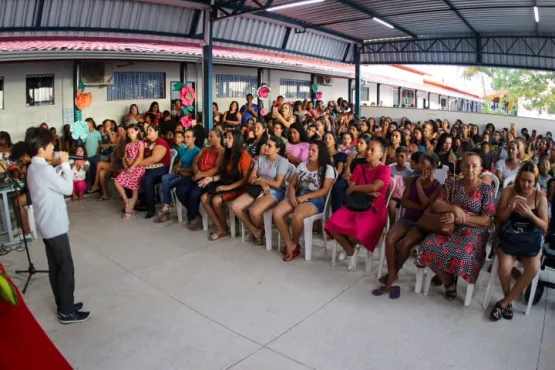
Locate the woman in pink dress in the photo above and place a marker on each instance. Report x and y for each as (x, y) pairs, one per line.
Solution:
(132, 174)
(366, 227)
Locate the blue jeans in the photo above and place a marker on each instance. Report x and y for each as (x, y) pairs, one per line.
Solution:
(91, 174)
(169, 182)
(152, 177)
(189, 194)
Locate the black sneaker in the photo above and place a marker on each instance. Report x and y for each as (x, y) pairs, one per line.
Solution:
(76, 306)
(149, 215)
(77, 316)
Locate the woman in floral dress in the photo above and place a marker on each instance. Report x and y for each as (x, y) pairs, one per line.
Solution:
(469, 204)
(132, 174)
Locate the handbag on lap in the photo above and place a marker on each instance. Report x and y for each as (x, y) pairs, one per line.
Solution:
(431, 221)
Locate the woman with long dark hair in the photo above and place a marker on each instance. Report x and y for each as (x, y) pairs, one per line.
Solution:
(396, 140)
(297, 149)
(228, 185)
(232, 117)
(419, 140)
(444, 149)
(306, 196)
(259, 137)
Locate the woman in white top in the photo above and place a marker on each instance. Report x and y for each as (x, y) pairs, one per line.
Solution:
(80, 168)
(266, 187)
(307, 193)
(506, 168)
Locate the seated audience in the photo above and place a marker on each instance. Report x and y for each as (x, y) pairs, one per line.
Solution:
(256, 140)
(79, 168)
(468, 203)
(508, 167)
(400, 173)
(421, 191)
(232, 117)
(133, 171)
(307, 193)
(298, 147)
(228, 185)
(521, 206)
(20, 161)
(344, 225)
(266, 187)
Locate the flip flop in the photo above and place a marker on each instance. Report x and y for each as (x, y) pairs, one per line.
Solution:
(93, 191)
(378, 292)
(395, 292)
(102, 199)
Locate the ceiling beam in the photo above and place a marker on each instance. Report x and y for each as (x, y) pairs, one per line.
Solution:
(463, 19)
(364, 10)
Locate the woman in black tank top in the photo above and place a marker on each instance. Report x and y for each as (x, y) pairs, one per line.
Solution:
(524, 206)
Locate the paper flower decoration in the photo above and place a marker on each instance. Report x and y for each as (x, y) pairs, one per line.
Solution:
(187, 96)
(263, 91)
(186, 121)
(319, 95)
(177, 86)
(314, 88)
(263, 111)
(83, 100)
(7, 291)
(79, 130)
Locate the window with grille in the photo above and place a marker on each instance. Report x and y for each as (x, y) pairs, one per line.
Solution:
(232, 86)
(365, 94)
(137, 85)
(1, 92)
(40, 90)
(294, 89)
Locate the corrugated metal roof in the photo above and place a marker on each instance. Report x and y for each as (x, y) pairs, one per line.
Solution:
(17, 13)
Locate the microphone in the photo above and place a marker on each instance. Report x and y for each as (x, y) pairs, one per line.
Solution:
(76, 157)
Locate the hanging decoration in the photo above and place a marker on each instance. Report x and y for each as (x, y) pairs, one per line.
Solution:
(186, 121)
(83, 100)
(263, 111)
(187, 96)
(263, 91)
(314, 88)
(319, 95)
(79, 130)
(177, 86)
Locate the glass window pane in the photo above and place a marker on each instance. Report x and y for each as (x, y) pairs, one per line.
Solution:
(137, 85)
(294, 89)
(40, 90)
(231, 86)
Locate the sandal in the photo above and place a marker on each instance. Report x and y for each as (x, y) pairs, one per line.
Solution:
(289, 257)
(92, 191)
(165, 216)
(261, 240)
(219, 235)
(508, 312)
(102, 199)
(497, 312)
(451, 291)
(128, 215)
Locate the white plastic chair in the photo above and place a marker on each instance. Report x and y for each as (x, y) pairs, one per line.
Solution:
(441, 174)
(493, 277)
(32, 221)
(158, 187)
(381, 242)
(495, 182)
(179, 209)
(511, 179)
(426, 271)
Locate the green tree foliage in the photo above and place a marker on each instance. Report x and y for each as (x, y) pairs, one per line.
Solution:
(534, 89)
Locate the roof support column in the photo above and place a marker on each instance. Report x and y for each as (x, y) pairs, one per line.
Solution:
(429, 101)
(416, 99)
(378, 94)
(350, 88)
(259, 81)
(76, 80)
(399, 103)
(183, 72)
(207, 69)
(357, 80)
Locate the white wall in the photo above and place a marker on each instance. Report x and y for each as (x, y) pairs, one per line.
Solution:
(541, 125)
(339, 89)
(16, 117)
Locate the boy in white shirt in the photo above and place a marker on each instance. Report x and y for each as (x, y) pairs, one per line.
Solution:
(47, 190)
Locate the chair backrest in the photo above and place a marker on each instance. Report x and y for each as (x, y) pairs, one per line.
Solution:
(290, 172)
(328, 196)
(173, 155)
(495, 182)
(390, 190)
(441, 174)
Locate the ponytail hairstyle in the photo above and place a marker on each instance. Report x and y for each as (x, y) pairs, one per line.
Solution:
(324, 159)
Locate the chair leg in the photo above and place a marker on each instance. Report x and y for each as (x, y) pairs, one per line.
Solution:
(428, 280)
(382, 258)
(469, 292)
(268, 229)
(204, 218)
(369, 256)
(308, 239)
(532, 293)
(242, 232)
(333, 253)
(491, 283)
(419, 279)
(232, 222)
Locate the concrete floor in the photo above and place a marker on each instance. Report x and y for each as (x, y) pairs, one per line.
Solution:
(165, 298)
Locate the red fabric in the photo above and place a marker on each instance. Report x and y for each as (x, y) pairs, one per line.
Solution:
(167, 157)
(24, 343)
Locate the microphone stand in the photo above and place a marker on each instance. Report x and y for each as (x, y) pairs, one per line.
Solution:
(31, 270)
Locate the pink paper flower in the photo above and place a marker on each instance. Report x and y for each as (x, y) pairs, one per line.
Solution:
(263, 91)
(319, 95)
(186, 121)
(187, 95)
(263, 111)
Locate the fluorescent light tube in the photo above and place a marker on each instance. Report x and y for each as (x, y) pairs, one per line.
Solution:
(383, 22)
(536, 14)
(292, 5)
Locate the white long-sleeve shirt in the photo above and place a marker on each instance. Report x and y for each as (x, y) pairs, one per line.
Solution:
(47, 191)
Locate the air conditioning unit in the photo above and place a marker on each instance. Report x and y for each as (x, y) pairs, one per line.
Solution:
(97, 73)
(323, 80)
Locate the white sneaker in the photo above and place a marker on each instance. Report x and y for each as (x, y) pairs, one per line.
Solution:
(352, 261)
(342, 255)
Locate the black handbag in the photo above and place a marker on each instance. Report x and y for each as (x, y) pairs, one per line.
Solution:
(253, 190)
(520, 241)
(358, 201)
(211, 187)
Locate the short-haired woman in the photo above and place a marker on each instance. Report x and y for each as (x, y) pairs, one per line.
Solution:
(372, 179)
(525, 207)
(468, 203)
(268, 177)
(306, 196)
